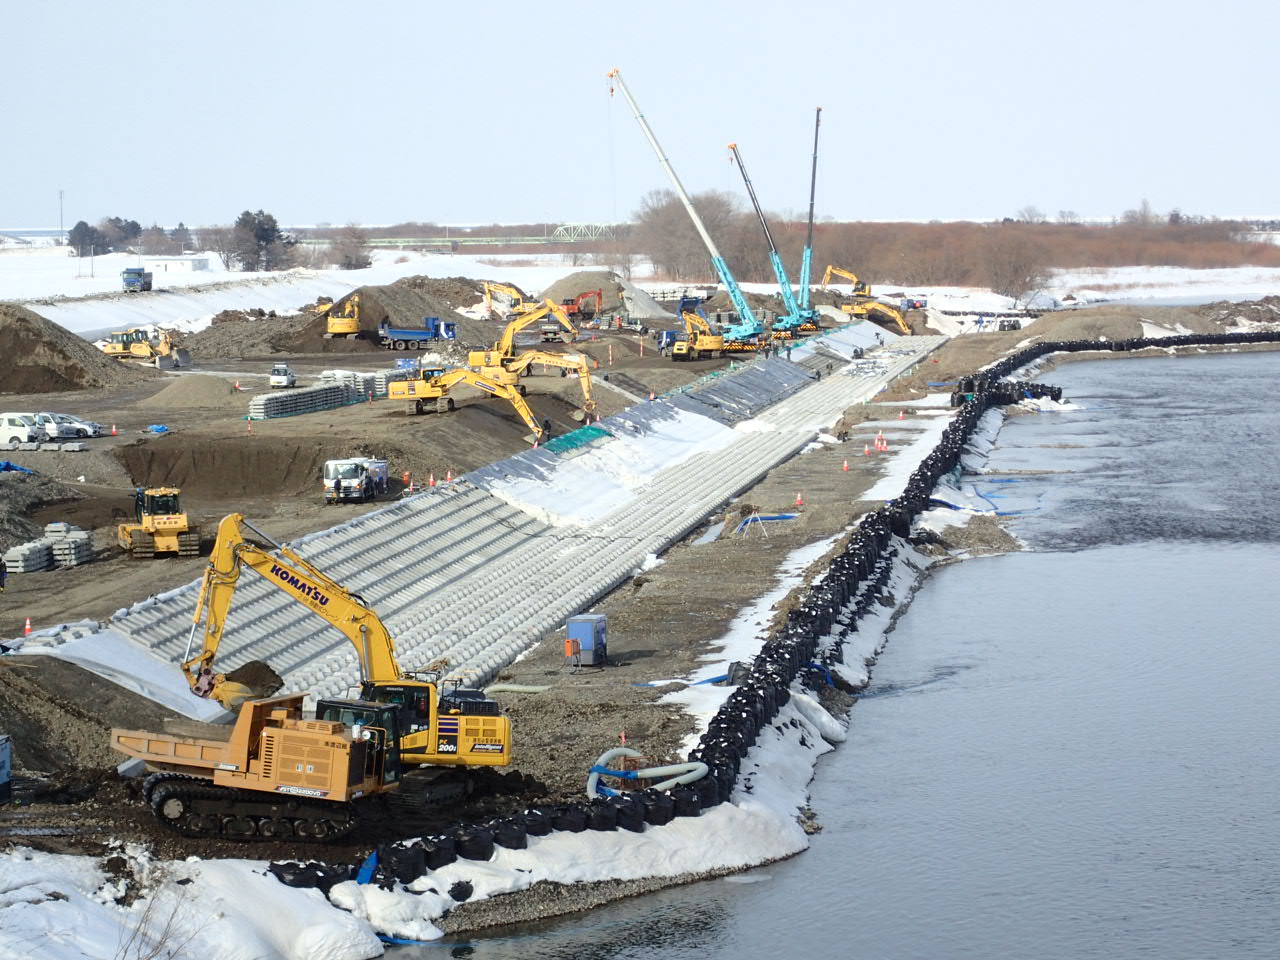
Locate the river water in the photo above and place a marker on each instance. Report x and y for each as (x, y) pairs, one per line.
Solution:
(1069, 752)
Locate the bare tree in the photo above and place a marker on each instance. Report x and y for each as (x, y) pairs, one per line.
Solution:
(1068, 216)
(1143, 216)
(222, 242)
(349, 249)
(155, 242)
(1013, 265)
(1031, 214)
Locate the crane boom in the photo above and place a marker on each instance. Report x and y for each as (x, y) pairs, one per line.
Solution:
(806, 262)
(750, 326)
(792, 318)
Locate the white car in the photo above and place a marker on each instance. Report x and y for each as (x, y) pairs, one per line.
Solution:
(18, 428)
(81, 428)
(282, 376)
(51, 429)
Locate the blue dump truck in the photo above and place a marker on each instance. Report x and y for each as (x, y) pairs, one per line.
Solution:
(135, 279)
(433, 330)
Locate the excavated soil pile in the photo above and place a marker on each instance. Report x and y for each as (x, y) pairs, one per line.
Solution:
(1266, 310)
(455, 291)
(566, 288)
(42, 357)
(20, 495)
(196, 391)
(236, 333)
(60, 716)
(400, 304)
(240, 467)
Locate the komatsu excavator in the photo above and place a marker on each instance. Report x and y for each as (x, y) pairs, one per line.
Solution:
(432, 387)
(577, 363)
(277, 773)
(342, 322)
(699, 340)
(864, 305)
(493, 363)
(517, 302)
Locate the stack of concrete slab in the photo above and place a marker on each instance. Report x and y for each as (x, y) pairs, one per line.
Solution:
(74, 446)
(289, 403)
(30, 557)
(384, 377)
(360, 385)
(71, 545)
(452, 572)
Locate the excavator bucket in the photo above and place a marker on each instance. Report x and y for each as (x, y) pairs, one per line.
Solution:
(251, 681)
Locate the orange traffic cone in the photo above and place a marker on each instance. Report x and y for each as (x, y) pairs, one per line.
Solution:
(249, 424)
(26, 631)
(902, 414)
(113, 429)
(237, 384)
(846, 466)
(799, 499)
(866, 449)
(448, 476)
(406, 478)
(650, 394)
(431, 479)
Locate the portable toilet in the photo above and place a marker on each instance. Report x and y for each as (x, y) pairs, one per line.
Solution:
(585, 639)
(6, 765)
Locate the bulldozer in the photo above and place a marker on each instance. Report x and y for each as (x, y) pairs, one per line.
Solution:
(159, 526)
(152, 346)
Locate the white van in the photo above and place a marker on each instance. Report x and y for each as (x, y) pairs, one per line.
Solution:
(18, 428)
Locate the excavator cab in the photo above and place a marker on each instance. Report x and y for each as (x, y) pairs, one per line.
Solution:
(377, 726)
(413, 703)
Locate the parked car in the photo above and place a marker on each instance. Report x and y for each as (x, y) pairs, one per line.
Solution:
(53, 428)
(81, 428)
(19, 428)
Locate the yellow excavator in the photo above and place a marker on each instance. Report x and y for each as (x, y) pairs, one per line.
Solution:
(139, 345)
(343, 321)
(160, 526)
(495, 362)
(699, 340)
(277, 773)
(432, 386)
(518, 303)
(864, 305)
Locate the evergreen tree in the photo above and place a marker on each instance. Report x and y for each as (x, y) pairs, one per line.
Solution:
(181, 237)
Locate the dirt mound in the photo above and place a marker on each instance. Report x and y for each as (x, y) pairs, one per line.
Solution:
(20, 495)
(238, 333)
(1228, 314)
(42, 357)
(566, 288)
(198, 390)
(455, 291)
(239, 467)
(400, 304)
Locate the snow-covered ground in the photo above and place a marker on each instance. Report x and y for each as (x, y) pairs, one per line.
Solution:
(61, 288)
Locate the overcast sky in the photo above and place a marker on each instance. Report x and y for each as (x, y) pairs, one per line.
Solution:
(379, 112)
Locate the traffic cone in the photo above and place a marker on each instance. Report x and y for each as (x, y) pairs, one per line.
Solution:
(799, 499)
(866, 449)
(113, 429)
(249, 424)
(902, 415)
(26, 631)
(431, 479)
(448, 476)
(846, 466)
(406, 478)
(237, 384)
(650, 394)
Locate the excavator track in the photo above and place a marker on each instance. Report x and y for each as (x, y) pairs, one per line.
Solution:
(142, 546)
(194, 807)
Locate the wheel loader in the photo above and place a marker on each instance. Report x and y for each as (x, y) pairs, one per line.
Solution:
(159, 526)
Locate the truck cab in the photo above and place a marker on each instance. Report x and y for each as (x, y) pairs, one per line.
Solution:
(355, 480)
(282, 376)
(135, 279)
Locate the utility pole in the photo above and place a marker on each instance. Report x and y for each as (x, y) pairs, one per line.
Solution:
(61, 235)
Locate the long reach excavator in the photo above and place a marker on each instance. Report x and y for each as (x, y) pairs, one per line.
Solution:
(278, 772)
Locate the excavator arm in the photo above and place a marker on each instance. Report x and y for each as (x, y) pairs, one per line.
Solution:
(510, 394)
(505, 343)
(289, 572)
(512, 293)
(577, 363)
